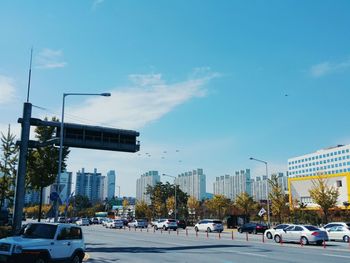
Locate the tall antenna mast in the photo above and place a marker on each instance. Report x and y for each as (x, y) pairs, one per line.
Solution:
(30, 73)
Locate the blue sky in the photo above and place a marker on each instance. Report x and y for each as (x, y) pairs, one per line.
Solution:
(204, 82)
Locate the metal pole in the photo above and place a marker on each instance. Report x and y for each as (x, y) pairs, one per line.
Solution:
(60, 158)
(175, 196)
(267, 196)
(22, 166)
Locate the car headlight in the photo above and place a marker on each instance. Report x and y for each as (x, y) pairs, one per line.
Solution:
(17, 249)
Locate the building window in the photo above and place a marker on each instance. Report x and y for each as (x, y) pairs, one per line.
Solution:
(339, 183)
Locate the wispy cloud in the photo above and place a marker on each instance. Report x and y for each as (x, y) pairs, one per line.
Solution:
(49, 59)
(148, 99)
(327, 67)
(96, 3)
(7, 89)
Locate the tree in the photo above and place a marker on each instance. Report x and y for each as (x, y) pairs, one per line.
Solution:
(43, 162)
(246, 204)
(80, 202)
(170, 204)
(159, 195)
(219, 205)
(278, 199)
(142, 210)
(125, 205)
(8, 163)
(324, 195)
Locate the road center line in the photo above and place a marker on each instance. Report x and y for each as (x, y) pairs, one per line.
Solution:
(251, 254)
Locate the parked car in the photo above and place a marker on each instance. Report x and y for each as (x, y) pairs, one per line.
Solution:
(253, 228)
(332, 224)
(105, 221)
(165, 224)
(181, 224)
(270, 233)
(83, 222)
(43, 242)
(116, 223)
(95, 220)
(61, 219)
(339, 233)
(138, 223)
(304, 234)
(209, 225)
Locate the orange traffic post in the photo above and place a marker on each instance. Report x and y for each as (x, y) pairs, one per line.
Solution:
(246, 236)
(186, 232)
(232, 235)
(263, 238)
(324, 243)
(219, 235)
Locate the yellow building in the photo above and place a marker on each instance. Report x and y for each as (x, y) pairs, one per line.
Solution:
(299, 189)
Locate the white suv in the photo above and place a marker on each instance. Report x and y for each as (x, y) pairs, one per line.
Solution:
(165, 224)
(209, 225)
(42, 243)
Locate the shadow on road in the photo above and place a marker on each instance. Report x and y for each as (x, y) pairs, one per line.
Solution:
(155, 249)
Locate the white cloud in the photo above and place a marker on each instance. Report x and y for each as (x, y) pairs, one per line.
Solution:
(147, 100)
(96, 3)
(327, 67)
(7, 89)
(49, 59)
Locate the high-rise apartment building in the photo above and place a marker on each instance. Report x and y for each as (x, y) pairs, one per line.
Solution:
(231, 186)
(331, 160)
(150, 178)
(89, 184)
(193, 183)
(110, 185)
(65, 185)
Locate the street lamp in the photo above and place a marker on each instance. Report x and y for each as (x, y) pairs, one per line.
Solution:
(61, 139)
(175, 190)
(267, 188)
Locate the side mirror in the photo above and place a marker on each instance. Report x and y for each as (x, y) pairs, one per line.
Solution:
(285, 231)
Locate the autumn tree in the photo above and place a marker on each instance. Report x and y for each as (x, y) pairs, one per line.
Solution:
(8, 163)
(170, 204)
(42, 162)
(219, 205)
(278, 199)
(324, 195)
(142, 210)
(246, 204)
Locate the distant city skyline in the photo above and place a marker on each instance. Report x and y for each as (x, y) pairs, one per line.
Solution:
(207, 85)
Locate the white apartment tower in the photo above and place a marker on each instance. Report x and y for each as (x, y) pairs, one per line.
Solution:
(150, 178)
(231, 186)
(193, 183)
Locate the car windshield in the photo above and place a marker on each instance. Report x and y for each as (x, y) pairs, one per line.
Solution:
(45, 231)
(311, 228)
(171, 220)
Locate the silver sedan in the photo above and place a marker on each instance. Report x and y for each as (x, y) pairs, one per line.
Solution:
(303, 234)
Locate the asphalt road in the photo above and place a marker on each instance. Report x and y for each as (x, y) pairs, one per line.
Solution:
(111, 245)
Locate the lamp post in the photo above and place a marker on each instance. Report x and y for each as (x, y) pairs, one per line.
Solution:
(61, 140)
(267, 188)
(175, 191)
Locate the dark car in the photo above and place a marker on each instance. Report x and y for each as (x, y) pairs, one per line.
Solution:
(181, 224)
(253, 228)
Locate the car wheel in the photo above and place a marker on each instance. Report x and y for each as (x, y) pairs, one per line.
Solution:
(304, 241)
(208, 229)
(255, 232)
(269, 235)
(240, 230)
(196, 229)
(346, 239)
(155, 227)
(319, 242)
(76, 259)
(40, 260)
(277, 239)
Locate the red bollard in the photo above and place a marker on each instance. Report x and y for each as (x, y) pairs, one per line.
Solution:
(147, 229)
(324, 243)
(196, 233)
(263, 238)
(246, 236)
(124, 228)
(232, 235)
(135, 229)
(161, 230)
(169, 231)
(281, 240)
(129, 229)
(141, 229)
(177, 231)
(186, 232)
(154, 229)
(207, 234)
(301, 243)
(219, 235)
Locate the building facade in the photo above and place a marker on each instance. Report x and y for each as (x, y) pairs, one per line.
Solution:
(260, 186)
(193, 183)
(149, 178)
(332, 160)
(231, 186)
(111, 183)
(89, 184)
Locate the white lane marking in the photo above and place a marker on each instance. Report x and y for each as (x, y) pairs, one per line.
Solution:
(338, 256)
(251, 254)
